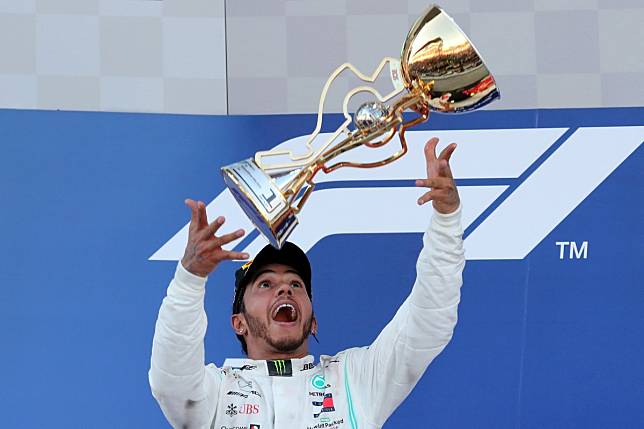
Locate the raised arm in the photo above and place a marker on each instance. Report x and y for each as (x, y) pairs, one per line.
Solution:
(184, 388)
(383, 374)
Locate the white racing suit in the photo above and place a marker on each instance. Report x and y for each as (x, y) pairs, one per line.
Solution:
(357, 388)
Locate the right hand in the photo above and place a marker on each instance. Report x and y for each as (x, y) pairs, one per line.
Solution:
(204, 252)
(444, 193)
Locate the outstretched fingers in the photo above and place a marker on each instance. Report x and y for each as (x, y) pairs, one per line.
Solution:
(224, 239)
(203, 217)
(214, 226)
(216, 252)
(192, 205)
(440, 186)
(430, 149)
(431, 195)
(227, 254)
(444, 170)
(443, 192)
(204, 251)
(434, 182)
(446, 153)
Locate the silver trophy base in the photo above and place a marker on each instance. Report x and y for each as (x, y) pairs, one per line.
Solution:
(261, 200)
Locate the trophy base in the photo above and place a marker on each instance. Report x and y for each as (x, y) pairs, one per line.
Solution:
(261, 200)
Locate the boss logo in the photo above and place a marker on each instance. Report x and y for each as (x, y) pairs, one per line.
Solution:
(307, 366)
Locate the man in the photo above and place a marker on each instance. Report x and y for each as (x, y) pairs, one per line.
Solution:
(279, 386)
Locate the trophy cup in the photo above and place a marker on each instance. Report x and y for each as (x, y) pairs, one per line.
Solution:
(439, 70)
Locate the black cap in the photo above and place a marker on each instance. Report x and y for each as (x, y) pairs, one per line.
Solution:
(289, 254)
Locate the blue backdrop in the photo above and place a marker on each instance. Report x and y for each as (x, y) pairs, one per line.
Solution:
(88, 197)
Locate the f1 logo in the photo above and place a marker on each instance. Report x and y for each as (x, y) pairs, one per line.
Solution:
(499, 197)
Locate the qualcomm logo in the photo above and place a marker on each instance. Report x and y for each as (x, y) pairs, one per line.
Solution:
(516, 186)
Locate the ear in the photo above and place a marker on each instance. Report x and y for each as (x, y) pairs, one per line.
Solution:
(314, 326)
(238, 322)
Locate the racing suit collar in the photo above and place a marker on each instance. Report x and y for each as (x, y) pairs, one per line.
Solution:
(276, 368)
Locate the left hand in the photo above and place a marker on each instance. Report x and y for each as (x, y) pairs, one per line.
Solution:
(203, 251)
(443, 194)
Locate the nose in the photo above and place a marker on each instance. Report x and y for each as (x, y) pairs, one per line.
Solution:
(284, 288)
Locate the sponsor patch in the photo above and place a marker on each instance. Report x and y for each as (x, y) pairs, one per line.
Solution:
(308, 366)
(232, 410)
(280, 368)
(247, 387)
(319, 382)
(326, 404)
(244, 367)
(327, 424)
(248, 409)
(233, 393)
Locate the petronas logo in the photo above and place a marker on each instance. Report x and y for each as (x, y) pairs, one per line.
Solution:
(318, 382)
(280, 368)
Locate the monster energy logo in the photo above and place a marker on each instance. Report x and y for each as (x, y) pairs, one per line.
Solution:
(280, 367)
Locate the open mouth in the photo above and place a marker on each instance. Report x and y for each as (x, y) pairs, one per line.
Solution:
(285, 313)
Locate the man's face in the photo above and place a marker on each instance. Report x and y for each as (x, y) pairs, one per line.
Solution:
(278, 312)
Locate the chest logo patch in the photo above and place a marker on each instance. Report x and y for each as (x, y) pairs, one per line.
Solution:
(318, 382)
(232, 410)
(280, 368)
(326, 404)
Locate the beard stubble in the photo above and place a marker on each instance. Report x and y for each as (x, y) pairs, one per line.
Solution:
(259, 329)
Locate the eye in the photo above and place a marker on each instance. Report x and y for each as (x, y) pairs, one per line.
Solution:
(264, 285)
(295, 283)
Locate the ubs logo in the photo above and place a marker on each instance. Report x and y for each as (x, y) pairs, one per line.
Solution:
(249, 409)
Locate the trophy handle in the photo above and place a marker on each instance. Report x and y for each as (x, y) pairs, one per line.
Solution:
(312, 153)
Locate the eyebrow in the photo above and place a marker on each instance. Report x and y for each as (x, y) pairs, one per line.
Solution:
(264, 271)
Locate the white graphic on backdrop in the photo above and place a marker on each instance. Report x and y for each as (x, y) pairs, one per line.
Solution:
(511, 231)
(552, 192)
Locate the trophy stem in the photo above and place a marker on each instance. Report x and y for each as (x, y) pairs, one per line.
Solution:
(416, 101)
(351, 142)
(394, 123)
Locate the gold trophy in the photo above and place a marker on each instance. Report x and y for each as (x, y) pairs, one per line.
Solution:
(439, 70)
